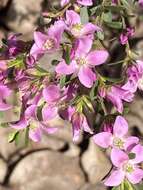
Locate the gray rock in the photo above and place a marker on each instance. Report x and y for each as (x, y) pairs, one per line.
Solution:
(98, 186)
(3, 170)
(22, 16)
(95, 163)
(57, 170)
(3, 4)
(135, 116)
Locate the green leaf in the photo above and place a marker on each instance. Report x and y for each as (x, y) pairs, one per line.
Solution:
(26, 136)
(12, 136)
(84, 15)
(67, 54)
(116, 188)
(114, 24)
(107, 17)
(62, 81)
(18, 62)
(1, 114)
(100, 35)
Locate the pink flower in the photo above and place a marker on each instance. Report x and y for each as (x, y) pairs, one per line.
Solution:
(126, 35)
(117, 139)
(140, 2)
(125, 167)
(47, 42)
(5, 92)
(117, 94)
(75, 26)
(36, 127)
(135, 77)
(79, 122)
(82, 65)
(81, 2)
(52, 96)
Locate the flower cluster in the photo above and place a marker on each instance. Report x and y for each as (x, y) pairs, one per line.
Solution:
(73, 85)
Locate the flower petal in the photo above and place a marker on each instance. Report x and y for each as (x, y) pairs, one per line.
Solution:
(131, 142)
(49, 112)
(103, 139)
(40, 38)
(4, 107)
(115, 179)
(83, 46)
(118, 157)
(72, 18)
(23, 123)
(86, 76)
(47, 129)
(89, 28)
(85, 2)
(35, 134)
(136, 176)
(63, 68)
(64, 2)
(138, 151)
(120, 127)
(51, 93)
(97, 57)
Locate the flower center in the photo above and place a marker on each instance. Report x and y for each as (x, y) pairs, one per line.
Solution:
(81, 61)
(128, 168)
(76, 29)
(119, 143)
(49, 44)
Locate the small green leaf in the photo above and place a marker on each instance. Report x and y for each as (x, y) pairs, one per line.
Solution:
(114, 24)
(100, 35)
(107, 17)
(12, 136)
(84, 15)
(62, 81)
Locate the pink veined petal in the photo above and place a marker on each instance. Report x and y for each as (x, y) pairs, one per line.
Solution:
(63, 68)
(35, 134)
(115, 179)
(77, 122)
(64, 2)
(86, 76)
(118, 157)
(103, 139)
(86, 126)
(136, 176)
(120, 127)
(47, 129)
(131, 142)
(3, 65)
(56, 31)
(49, 112)
(83, 46)
(116, 101)
(85, 2)
(97, 57)
(35, 52)
(4, 91)
(138, 151)
(40, 39)
(23, 123)
(51, 93)
(72, 18)
(89, 28)
(30, 112)
(4, 106)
